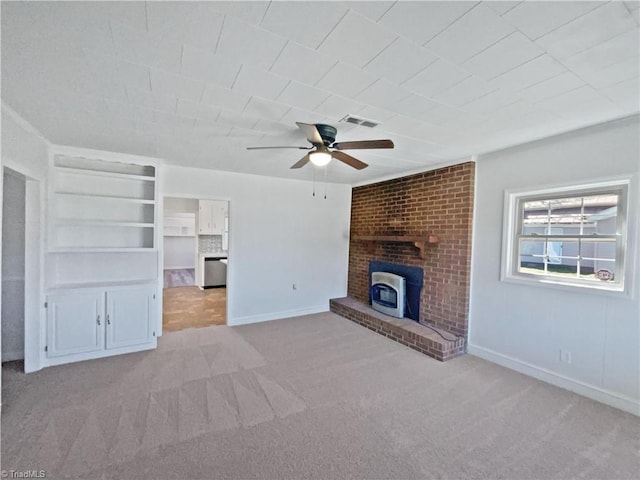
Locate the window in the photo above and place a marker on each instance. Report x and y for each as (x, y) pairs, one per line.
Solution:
(571, 236)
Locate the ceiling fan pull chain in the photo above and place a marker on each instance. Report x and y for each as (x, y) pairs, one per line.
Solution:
(326, 172)
(314, 181)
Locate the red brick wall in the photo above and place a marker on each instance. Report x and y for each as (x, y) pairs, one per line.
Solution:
(439, 202)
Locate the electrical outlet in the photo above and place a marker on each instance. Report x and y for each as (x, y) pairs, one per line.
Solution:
(565, 356)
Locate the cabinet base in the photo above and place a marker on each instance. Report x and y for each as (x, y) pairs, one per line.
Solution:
(53, 361)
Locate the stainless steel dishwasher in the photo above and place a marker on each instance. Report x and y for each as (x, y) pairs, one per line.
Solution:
(215, 272)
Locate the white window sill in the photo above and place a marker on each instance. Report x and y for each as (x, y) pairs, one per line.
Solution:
(614, 291)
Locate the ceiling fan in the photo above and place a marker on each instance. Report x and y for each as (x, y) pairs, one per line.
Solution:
(323, 139)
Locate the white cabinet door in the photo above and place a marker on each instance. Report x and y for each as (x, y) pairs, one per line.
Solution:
(129, 314)
(211, 218)
(219, 214)
(205, 217)
(75, 323)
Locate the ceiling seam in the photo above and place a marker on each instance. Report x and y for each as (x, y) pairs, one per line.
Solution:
(332, 29)
(509, 9)
(146, 17)
(264, 15)
(224, 18)
(278, 56)
(602, 43)
(451, 23)
(326, 73)
(544, 52)
(236, 77)
(567, 68)
(387, 11)
(461, 65)
(570, 21)
(381, 52)
(282, 91)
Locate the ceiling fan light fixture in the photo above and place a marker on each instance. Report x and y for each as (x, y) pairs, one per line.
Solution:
(320, 159)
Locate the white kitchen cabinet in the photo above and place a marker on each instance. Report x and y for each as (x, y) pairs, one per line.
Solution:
(75, 323)
(97, 322)
(180, 225)
(211, 217)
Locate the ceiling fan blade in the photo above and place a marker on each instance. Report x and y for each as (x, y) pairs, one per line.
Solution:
(349, 160)
(262, 148)
(311, 132)
(302, 162)
(362, 144)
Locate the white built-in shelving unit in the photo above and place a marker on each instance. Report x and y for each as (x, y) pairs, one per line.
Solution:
(99, 205)
(102, 276)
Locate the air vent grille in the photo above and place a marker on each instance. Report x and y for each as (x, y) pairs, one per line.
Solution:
(364, 122)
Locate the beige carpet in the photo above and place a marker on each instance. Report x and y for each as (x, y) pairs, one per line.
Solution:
(310, 397)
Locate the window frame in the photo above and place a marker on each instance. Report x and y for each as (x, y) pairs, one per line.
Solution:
(512, 226)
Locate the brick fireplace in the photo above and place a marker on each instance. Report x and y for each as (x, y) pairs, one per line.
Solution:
(438, 203)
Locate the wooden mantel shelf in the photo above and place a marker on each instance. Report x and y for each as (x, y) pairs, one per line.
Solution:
(418, 241)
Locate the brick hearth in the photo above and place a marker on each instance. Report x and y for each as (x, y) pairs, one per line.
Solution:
(402, 330)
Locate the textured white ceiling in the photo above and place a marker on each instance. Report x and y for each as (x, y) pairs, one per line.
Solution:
(195, 83)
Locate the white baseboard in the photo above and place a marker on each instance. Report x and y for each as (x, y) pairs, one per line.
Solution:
(232, 322)
(598, 394)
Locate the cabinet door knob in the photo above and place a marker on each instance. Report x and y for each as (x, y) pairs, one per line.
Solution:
(98, 319)
(108, 320)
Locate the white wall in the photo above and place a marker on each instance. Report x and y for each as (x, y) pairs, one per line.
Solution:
(26, 151)
(179, 252)
(13, 249)
(23, 149)
(180, 205)
(524, 327)
(279, 235)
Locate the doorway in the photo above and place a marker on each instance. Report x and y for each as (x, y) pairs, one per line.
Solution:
(13, 265)
(21, 275)
(190, 244)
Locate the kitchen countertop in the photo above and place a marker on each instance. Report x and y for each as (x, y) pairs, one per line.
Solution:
(213, 255)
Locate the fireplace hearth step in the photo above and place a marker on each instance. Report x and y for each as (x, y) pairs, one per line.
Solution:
(402, 330)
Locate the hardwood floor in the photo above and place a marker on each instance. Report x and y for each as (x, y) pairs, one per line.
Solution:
(179, 277)
(190, 307)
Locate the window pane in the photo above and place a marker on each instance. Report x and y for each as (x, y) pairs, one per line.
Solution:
(595, 213)
(562, 258)
(604, 271)
(532, 248)
(579, 237)
(598, 260)
(565, 213)
(532, 256)
(535, 217)
(603, 213)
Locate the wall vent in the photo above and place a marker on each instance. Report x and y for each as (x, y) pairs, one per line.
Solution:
(364, 122)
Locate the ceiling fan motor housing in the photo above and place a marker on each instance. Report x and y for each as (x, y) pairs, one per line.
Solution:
(327, 132)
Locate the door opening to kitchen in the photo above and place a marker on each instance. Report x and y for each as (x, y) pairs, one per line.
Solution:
(195, 237)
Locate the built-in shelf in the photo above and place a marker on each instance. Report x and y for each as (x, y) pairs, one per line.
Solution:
(100, 173)
(105, 197)
(98, 205)
(103, 250)
(102, 223)
(419, 241)
(106, 284)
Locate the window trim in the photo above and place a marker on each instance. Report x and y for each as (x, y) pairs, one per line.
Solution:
(513, 199)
